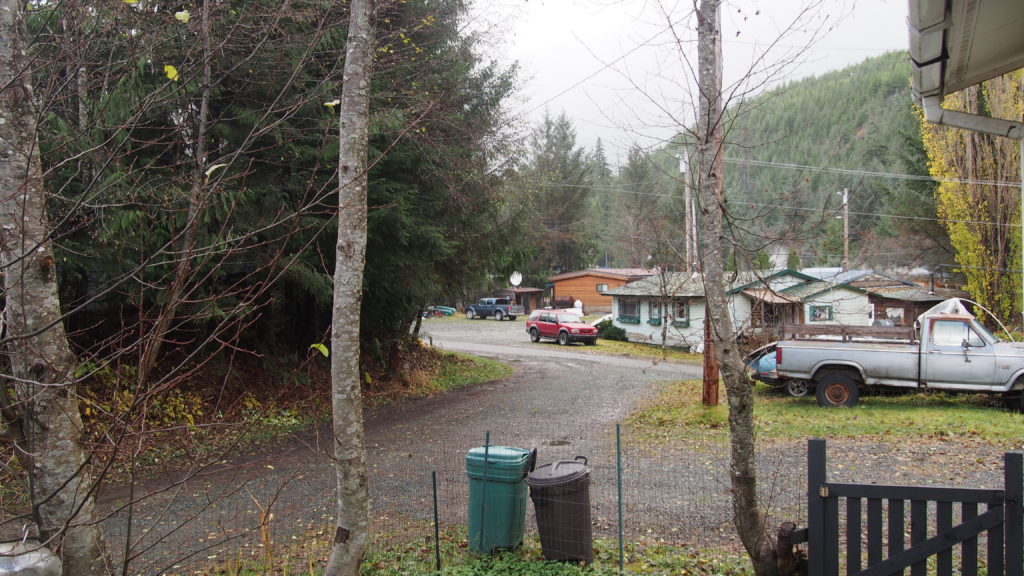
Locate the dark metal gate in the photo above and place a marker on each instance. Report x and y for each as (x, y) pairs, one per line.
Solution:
(877, 533)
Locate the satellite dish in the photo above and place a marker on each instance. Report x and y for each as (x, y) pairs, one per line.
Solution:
(516, 278)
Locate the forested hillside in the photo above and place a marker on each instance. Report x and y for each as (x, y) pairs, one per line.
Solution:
(792, 151)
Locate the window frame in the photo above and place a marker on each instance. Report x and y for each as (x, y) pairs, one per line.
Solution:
(654, 317)
(684, 305)
(813, 309)
(628, 318)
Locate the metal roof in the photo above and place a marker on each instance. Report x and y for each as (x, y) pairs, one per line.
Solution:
(836, 275)
(769, 296)
(916, 293)
(683, 284)
(808, 290)
(668, 284)
(617, 273)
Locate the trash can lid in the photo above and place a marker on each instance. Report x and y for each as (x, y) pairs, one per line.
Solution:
(558, 473)
(498, 455)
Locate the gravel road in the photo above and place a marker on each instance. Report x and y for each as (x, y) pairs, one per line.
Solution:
(564, 401)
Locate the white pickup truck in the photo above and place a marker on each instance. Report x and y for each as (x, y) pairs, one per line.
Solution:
(948, 349)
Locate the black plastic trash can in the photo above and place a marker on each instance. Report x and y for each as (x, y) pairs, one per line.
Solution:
(561, 498)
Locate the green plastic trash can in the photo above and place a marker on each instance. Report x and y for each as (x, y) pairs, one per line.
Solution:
(561, 497)
(497, 496)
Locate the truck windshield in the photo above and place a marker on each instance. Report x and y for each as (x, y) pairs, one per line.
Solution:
(988, 336)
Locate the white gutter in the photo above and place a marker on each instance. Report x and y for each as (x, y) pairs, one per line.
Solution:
(934, 112)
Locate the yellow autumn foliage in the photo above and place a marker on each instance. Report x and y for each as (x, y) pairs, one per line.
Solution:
(978, 198)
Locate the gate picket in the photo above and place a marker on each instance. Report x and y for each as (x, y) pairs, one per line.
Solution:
(1002, 523)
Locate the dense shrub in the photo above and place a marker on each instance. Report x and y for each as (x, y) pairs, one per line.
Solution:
(608, 331)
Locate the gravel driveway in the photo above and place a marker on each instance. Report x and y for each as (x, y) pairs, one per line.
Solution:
(565, 402)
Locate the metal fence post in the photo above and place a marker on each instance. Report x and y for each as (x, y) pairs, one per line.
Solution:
(483, 492)
(437, 524)
(1013, 510)
(618, 469)
(815, 507)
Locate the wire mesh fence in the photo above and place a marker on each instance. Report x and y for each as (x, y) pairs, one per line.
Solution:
(281, 512)
(636, 489)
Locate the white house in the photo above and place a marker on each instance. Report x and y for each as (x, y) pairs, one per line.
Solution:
(669, 307)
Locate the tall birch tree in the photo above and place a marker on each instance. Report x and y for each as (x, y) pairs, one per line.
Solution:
(42, 416)
(349, 450)
(748, 518)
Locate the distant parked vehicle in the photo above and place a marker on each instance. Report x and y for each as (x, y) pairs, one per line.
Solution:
(434, 311)
(499, 308)
(761, 367)
(947, 350)
(564, 326)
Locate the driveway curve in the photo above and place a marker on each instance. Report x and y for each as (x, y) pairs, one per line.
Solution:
(564, 401)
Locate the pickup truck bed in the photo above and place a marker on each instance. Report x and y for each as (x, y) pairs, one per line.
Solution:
(895, 364)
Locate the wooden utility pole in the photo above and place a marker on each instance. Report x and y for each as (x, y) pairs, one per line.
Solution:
(846, 229)
(688, 214)
(709, 394)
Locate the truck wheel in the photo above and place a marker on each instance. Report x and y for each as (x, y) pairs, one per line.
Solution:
(470, 314)
(797, 388)
(563, 338)
(837, 389)
(1013, 400)
(534, 335)
(498, 315)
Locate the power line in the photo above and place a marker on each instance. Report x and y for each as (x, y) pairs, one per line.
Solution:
(871, 174)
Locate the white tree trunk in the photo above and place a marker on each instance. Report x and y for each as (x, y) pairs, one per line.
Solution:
(352, 530)
(747, 516)
(41, 366)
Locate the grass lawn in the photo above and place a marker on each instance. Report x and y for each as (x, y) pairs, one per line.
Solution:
(677, 413)
(636, 350)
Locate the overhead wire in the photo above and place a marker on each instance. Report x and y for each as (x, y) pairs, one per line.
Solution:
(624, 190)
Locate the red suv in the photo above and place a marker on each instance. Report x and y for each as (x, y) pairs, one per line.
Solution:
(565, 326)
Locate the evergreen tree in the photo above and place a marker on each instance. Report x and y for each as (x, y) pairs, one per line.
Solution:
(440, 218)
(637, 208)
(601, 212)
(560, 182)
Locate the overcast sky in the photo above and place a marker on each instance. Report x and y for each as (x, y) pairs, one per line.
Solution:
(616, 69)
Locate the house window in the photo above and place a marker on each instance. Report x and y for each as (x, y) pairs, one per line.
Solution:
(602, 288)
(895, 315)
(681, 313)
(654, 313)
(820, 313)
(629, 310)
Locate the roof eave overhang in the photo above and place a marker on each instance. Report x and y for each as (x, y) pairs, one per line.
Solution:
(955, 44)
